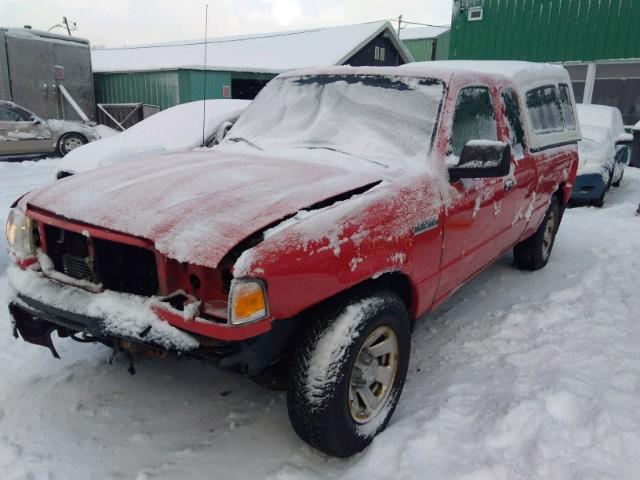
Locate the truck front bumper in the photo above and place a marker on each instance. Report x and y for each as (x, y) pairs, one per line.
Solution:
(39, 306)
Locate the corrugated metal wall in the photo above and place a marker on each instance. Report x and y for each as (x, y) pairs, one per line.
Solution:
(165, 88)
(5, 88)
(191, 84)
(547, 30)
(421, 49)
(153, 88)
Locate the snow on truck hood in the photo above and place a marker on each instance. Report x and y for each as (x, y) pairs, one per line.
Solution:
(197, 206)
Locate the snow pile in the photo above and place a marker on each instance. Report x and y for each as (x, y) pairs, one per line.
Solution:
(105, 131)
(520, 375)
(173, 130)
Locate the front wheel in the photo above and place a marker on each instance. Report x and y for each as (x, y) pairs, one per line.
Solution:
(70, 141)
(534, 252)
(348, 372)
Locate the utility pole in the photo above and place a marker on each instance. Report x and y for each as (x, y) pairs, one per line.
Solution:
(399, 24)
(66, 24)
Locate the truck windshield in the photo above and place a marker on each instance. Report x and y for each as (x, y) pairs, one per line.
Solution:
(383, 119)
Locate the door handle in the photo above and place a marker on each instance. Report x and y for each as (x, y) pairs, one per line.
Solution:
(509, 185)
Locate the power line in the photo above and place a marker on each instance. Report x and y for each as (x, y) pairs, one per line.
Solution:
(419, 23)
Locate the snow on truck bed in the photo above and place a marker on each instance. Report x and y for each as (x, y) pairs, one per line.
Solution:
(519, 375)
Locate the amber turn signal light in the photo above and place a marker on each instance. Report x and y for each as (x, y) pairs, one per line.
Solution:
(247, 301)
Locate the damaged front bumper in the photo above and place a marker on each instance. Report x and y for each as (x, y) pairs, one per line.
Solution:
(39, 306)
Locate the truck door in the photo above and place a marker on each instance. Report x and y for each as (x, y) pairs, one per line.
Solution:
(518, 202)
(470, 227)
(20, 135)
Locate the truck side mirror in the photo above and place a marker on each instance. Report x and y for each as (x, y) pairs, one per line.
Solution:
(482, 159)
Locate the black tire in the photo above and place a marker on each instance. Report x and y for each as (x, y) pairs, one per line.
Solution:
(322, 375)
(534, 252)
(70, 141)
(619, 181)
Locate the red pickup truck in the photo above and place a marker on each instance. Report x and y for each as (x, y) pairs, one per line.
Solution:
(343, 205)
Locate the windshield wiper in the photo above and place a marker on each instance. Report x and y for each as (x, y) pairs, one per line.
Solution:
(249, 142)
(346, 153)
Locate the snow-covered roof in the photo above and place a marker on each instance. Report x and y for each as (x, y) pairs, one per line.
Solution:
(418, 33)
(31, 34)
(269, 52)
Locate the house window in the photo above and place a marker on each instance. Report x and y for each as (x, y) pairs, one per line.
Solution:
(382, 54)
(475, 14)
(376, 53)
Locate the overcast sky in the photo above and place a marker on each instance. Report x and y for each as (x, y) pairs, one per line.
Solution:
(127, 22)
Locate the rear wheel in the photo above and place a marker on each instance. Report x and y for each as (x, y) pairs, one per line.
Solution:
(348, 372)
(617, 182)
(534, 252)
(70, 141)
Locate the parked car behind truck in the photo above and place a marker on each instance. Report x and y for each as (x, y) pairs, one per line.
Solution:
(22, 132)
(604, 151)
(343, 205)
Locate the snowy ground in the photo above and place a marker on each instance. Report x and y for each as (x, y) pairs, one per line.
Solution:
(520, 375)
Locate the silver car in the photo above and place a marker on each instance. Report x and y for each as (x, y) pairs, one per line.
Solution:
(22, 133)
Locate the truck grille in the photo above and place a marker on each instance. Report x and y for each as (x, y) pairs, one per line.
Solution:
(77, 267)
(117, 266)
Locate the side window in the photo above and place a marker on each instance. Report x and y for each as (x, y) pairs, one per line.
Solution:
(513, 118)
(6, 115)
(474, 119)
(567, 108)
(545, 109)
(10, 114)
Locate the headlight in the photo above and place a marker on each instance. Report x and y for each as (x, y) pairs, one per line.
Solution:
(20, 233)
(247, 301)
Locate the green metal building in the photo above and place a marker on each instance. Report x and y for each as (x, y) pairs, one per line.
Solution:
(427, 43)
(237, 67)
(597, 40)
(166, 88)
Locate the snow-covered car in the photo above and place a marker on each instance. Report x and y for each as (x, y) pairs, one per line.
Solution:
(176, 129)
(343, 205)
(604, 153)
(22, 132)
